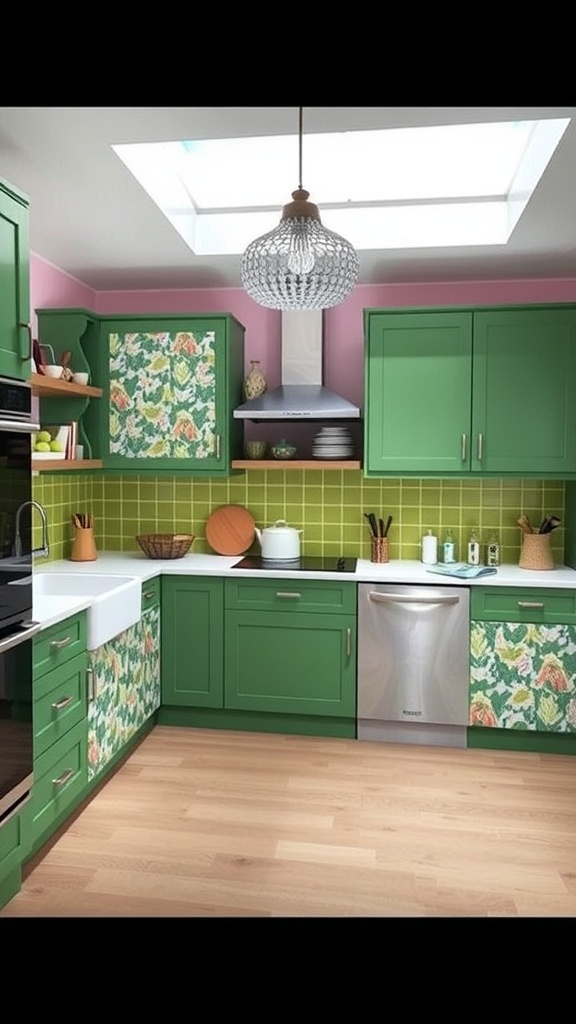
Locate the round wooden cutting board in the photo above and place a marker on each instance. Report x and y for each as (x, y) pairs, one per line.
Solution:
(230, 530)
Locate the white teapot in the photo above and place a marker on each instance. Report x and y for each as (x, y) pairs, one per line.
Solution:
(279, 542)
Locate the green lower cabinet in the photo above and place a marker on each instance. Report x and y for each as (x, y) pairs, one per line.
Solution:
(523, 676)
(123, 689)
(14, 848)
(60, 778)
(192, 641)
(268, 655)
(283, 661)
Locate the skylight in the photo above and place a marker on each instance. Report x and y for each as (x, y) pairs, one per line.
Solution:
(455, 185)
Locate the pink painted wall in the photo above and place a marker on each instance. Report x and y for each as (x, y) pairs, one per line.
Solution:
(343, 325)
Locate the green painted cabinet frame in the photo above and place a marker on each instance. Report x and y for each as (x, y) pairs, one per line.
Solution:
(471, 392)
(15, 331)
(135, 407)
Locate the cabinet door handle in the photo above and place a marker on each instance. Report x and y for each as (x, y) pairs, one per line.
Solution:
(28, 328)
(480, 446)
(348, 642)
(289, 594)
(61, 643)
(90, 684)
(63, 778)
(531, 604)
(59, 704)
(463, 441)
(217, 446)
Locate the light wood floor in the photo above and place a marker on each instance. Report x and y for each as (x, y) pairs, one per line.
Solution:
(201, 823)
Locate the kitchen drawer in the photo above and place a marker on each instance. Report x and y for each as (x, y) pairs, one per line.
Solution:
(515, 604)
(60, 776)
(150, 593)
(57, 644)
(294, 595)
(59, 702)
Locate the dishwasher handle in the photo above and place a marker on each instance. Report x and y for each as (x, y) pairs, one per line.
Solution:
(379, 598)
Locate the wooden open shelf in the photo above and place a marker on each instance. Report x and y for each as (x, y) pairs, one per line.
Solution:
(57, 464)
(295, 464)
(49, 387)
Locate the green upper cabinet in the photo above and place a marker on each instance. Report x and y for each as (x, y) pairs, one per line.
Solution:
(15, 333)
(170, 384)
(471, 392)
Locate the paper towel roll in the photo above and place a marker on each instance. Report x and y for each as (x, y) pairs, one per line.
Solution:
(429, 548)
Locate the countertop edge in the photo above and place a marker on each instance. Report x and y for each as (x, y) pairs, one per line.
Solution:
(138, 565)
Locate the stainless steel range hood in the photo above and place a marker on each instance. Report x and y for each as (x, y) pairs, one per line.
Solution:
(302, 395)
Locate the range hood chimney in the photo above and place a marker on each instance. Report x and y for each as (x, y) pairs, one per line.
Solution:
(302, 395)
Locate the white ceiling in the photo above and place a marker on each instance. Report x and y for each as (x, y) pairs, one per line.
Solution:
(90, 217)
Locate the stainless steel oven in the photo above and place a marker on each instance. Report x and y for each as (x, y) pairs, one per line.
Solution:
(16, 624)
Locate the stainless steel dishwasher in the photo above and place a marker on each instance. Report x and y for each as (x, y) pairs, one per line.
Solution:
(413, 663)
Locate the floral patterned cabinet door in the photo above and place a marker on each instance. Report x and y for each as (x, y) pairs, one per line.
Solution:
(126, 688)
(171, 386)
(523, 676)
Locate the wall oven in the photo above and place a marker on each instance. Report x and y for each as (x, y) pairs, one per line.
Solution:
(16, 624)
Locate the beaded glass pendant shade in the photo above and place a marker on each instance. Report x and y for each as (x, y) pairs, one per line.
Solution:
(300, 264)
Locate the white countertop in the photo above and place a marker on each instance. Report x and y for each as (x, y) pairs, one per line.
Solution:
(50, 610)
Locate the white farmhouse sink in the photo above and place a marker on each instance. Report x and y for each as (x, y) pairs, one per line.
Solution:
(115, 601)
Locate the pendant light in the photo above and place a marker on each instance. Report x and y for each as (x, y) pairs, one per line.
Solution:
(300, 264)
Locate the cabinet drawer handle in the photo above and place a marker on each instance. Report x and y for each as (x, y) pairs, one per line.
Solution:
(480, 446)
(91, 685)
(63, 778)
(59, 704)
(148, 594)
(61, 643)
(290, 594)
(463, 447)
(531, 604)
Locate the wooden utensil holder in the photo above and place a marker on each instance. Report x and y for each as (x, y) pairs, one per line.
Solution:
(536, 552)
(83, 546)
(379, 549)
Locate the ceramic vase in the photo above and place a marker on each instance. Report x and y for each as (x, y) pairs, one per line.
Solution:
(255, 382)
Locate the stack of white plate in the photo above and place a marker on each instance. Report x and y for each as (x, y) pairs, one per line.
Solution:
(333, 443)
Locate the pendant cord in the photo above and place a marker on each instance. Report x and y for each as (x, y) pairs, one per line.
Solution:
(300, 109)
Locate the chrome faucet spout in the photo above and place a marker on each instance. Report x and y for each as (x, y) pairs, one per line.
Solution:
(44, 550)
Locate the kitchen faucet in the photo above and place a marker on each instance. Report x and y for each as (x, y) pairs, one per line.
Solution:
(17, 549)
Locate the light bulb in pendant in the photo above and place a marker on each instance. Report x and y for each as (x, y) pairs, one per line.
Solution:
(300, 254)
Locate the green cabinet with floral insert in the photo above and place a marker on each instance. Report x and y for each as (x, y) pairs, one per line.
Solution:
(523, 659)
(124, 684)
(170, 385)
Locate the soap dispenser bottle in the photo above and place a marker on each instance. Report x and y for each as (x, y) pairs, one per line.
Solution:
(449, 548)
(473, 549)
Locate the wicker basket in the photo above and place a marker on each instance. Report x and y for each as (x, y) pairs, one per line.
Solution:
(165, 545)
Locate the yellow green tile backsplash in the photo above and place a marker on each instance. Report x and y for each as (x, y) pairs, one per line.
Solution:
(327, 504)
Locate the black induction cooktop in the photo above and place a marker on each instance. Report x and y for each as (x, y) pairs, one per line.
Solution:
(306, 563)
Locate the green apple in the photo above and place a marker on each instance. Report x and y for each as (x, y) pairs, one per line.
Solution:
(43, 435)
(41, 446)
(55, 445)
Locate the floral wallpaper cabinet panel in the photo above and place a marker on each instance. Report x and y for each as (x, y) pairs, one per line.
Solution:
(523, 676)
(126, 688)
(171, 387)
